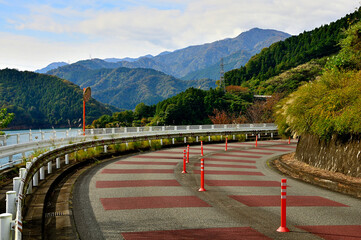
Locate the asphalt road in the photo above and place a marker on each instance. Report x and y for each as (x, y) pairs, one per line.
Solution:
(146, 196)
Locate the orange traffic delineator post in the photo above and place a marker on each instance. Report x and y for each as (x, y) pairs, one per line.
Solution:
(283, 227)
(187, 153)
(226, 144)
(256, 140)
(289, 140)
(202, 148)
(184, 162)
(202, 189)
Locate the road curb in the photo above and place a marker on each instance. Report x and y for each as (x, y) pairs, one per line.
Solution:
(337, 185)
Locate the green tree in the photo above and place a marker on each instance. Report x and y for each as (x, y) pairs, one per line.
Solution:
(5, 118)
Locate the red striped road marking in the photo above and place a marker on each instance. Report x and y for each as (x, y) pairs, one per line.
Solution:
(199, 234)
(292, 201)
(125, 171)
(173, 152)
(227, 165)
(252, 152)
(146, 163)
(230, 172)
(229, 160)
(275, 149)
(152, 202)
(335, 232)
(244, 183)
(136, 183)
(159, 157)
(235, 156)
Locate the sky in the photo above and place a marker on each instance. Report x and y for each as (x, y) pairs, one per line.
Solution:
(36, 33)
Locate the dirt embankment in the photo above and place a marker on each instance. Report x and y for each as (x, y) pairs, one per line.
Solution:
(339, 154)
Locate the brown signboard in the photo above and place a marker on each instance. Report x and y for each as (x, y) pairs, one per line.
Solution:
(87, 94)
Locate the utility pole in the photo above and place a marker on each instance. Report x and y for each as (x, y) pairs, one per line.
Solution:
(223, 84)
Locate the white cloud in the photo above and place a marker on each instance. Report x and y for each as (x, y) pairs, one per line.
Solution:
(145, 29)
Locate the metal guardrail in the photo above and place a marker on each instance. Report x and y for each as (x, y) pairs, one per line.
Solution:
(15, 147)
(30, 175)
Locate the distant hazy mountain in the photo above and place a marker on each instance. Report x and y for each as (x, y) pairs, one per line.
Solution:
(194, 58)
(51, 66)
(126, 87)
(127, 59)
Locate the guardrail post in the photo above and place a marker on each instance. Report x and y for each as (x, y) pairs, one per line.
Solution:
(137, 129)
(18, 138)
(197, 139)
(42, 173)
(30, 186)
(150, 129)
(163, 128)
(188, 127)
(185, 139)
(209, 138)
(57, 163)
(125, 130)
(246, 136)
(5, 226)
(212, 126)
(234, 137)
(42, 135)
(11, 203)
(200, 127)
(225, 126)
(30, 136)
(11, 164)
(54, 134)
(161, 142)
(50, 167)
(127, 145)
(173, 141)
(113, 130)
(16, 184)
(22, 172)
(105, 148)
(150, 142)
(36, 179)
(104, 130)
(67, 133)
(66, 159)
(237, 126)
(272, 135)
(175, 128)
(5, 137)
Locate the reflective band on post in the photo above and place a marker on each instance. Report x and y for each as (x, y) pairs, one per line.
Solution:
(283, 190)
(283, 196)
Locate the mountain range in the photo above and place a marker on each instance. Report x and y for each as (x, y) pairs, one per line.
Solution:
(149, 79)
(127, 87)
(194, 62)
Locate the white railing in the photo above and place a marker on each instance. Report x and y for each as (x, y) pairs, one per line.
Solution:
(16, 147)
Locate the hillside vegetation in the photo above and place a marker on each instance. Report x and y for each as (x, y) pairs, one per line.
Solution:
(293, 51)
(330, 105)
(42, 101)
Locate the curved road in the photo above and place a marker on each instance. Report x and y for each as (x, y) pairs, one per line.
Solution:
(146, 196)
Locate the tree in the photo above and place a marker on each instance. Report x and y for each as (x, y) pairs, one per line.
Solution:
(5, 118)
